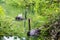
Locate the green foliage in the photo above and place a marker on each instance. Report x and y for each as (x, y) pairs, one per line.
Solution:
(41, 12)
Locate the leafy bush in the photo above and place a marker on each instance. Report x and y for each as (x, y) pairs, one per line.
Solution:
(41, 12)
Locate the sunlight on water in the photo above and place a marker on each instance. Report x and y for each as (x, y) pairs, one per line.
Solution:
(10, 38)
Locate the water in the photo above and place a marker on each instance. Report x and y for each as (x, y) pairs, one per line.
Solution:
(10, 38)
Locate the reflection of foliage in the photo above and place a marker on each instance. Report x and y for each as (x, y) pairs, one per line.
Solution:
(10, 27)
(53, 26)
(42, 13)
